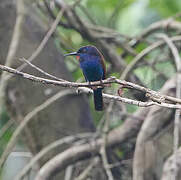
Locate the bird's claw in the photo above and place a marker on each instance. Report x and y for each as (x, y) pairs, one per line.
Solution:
(92, 87)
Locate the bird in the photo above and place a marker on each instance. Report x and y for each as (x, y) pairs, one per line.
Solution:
(93, 67)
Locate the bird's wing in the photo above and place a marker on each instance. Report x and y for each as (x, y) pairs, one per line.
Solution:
(102, 61)
(103, 66)
(85, 76)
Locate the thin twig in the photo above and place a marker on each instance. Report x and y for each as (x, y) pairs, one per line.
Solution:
(40, 70)
(169, 23)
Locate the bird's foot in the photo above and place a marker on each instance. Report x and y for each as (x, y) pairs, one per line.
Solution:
(92, 87)
(104, 85)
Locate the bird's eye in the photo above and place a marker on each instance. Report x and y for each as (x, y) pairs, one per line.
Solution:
(84, 50)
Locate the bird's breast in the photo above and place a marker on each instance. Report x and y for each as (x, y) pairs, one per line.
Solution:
(92, 69)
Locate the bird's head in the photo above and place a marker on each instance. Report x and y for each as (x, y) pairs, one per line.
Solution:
(86, 52)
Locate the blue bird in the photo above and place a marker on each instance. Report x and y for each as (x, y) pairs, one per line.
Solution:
(93, 67)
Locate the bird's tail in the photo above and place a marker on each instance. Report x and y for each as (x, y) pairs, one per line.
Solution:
(98, 101)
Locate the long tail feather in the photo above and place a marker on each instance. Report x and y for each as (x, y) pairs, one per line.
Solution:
(98, 101)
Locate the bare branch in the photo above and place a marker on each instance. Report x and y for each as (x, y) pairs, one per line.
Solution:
(178, 95)
(67, 157)
(144, 53)
(40, 70)
(173, 50)
(169, 23)
(76, 153)
(44, 151)
(25, 121)
(155, 95)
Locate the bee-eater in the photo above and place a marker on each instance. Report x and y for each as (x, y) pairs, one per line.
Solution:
(93, 67)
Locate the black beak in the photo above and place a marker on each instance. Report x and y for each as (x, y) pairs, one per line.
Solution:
(71, 54)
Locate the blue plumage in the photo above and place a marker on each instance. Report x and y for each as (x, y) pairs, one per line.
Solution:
(93, 67)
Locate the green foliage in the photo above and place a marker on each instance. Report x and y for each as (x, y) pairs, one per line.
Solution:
(97, 116)
(4, 117)
(130, 17)
(146, 74)
(106, 12)
(167, 68)
(166, 7)
(5, 139)
(131, 108)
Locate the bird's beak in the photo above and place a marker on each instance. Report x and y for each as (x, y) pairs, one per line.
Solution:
(71, 54)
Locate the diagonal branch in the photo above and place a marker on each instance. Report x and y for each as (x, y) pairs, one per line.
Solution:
(143, 53)
(40, 70)
(27, 119)
(120, 135)
(44, 151)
